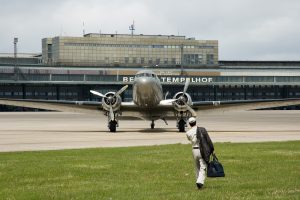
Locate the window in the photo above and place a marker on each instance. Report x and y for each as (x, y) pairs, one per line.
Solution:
(192, 59)
(166, 61)
(173, 61)
(49, 50)
(126, 60)
(134, 60)
(106, 60)
(210, 59)
(157, 60)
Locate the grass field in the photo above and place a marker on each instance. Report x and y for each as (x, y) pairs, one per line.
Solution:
(253, 171)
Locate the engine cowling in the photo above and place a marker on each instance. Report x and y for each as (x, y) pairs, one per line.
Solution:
(111, 100)
(179, 104)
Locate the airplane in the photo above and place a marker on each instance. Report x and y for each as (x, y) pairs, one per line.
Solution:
(148, 103)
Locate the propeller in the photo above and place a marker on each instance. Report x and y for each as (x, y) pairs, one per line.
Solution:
(181, 100)
(103, 96)
(110, 99)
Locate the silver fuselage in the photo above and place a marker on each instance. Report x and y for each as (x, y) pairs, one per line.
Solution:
(147, 90)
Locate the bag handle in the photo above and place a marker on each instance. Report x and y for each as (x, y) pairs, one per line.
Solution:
(215, 157)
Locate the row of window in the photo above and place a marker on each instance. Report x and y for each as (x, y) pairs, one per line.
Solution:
(82, 77)
(194, 59)
(128, 96)
(139, 46)
(189, 59)
(149, 61)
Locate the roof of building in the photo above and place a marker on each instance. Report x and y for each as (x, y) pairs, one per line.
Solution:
(135, 36)
(258, 63)
(20, 55)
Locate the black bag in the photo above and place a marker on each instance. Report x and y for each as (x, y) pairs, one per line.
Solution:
(215, 168)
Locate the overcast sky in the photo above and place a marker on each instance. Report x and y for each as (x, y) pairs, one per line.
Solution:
(246, 29)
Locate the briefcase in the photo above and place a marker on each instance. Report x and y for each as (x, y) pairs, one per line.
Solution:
(215, 168)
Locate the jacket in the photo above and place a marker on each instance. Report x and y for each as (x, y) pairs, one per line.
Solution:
(205, 144)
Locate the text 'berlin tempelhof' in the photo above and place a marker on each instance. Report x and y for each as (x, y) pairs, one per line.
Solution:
(176, 79)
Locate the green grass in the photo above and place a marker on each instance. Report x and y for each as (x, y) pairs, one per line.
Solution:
(253, 171)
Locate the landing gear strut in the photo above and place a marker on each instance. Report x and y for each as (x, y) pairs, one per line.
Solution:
(152, 124)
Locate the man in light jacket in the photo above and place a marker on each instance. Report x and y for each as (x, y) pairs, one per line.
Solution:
(202, 148)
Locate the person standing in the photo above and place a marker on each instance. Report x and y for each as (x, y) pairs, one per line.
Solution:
(202, 148)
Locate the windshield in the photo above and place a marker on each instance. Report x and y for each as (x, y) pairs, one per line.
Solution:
(145, 75)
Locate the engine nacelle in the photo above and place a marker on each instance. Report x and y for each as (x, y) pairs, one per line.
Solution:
(179, 104)
(110, 100)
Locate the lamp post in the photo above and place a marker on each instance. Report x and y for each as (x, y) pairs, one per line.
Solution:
(16, 58)
(181, 57)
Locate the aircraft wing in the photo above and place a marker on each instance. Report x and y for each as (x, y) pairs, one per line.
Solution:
(131, 111)
(56, 105)
(166, 107)
(243, 104)
(86, 107)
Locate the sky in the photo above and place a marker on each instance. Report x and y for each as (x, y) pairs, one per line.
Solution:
(245, 29)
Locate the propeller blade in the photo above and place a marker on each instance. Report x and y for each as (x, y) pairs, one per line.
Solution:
(111, 113)
(186, 85)
(167, 101)
(166, 95)
(193, 112)
(97, 93)
(121, 90)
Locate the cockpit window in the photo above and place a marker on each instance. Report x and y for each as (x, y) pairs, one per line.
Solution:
(145, 75)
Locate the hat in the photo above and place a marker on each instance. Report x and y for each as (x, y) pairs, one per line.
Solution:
(192, 120)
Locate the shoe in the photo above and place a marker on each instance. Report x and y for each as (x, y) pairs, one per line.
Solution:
(199, 185)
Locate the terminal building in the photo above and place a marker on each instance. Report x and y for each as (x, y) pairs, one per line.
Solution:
(71, 66)
(129, 50)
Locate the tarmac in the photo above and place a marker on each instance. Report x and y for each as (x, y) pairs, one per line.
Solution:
(33, 131)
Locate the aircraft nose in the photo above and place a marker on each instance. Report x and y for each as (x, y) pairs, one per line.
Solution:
(145, 92)
(144, 85)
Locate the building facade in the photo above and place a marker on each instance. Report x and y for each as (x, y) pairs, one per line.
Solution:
(72, 66)
(233, 80)
(129, 50)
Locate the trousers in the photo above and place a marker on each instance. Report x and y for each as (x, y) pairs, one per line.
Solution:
(200, 166)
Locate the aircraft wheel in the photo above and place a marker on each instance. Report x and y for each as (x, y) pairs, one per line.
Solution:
(112, 126)
(152, 125)
(181, 125)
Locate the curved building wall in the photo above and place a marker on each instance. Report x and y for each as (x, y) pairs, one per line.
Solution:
(205, 84)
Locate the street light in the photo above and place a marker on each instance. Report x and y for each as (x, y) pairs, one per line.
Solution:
(16, 59)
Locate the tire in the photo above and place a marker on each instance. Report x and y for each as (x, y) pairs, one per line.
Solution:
(152, 126)
(181, 125)
(112, 126)
(181, 129)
